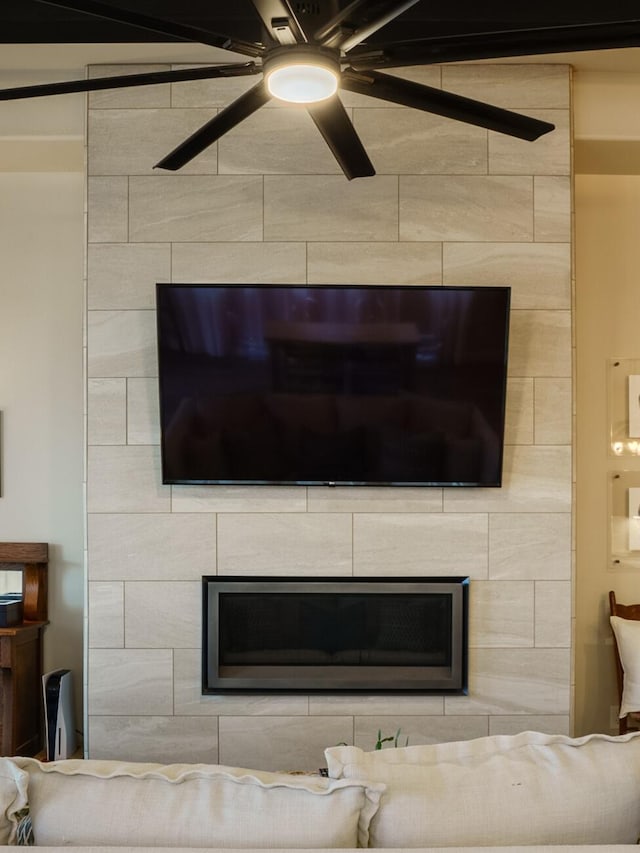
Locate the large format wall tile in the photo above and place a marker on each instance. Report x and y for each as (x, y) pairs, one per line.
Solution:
(401, 141)
(530, 546)
(188, 208)
(416, 544)
(106, 615)
(162, 614)
(280, 743)
(125, 479)
(539, 274)
(501, 614)
(553, 614)
(276, 142)
(242, 263)
(238, 499)
(535, 479)
(165, 740)
(520, 87)
(107, 405)
(151, 547)
(552, 411)
(122, 343)
(515, 681)
(374, 263)
(130, 681)
(418, 729)
(124, 275)
(213, 93)
(553, 724)
(519, 411)
(467, 208)
(333, 209)
(108, 216)
(374, 499)
(143, 424)
(132, 142)
(540, 343)
(376, 705)
(548, 155)
(552, 208)
(428, 75)
(293, 544)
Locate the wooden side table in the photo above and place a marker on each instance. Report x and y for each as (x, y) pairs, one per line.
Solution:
(21, 669)
(21, 657)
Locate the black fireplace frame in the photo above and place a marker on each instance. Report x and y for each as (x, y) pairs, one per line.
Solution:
(264, 679)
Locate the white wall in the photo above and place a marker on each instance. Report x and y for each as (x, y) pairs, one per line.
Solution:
(608, 316)
(607, 203)
(42, 201)
(41, 236)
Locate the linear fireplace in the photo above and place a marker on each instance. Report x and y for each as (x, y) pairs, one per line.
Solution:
(393, 635)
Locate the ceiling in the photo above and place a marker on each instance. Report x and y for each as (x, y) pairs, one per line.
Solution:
(28, 21)
(60, 38)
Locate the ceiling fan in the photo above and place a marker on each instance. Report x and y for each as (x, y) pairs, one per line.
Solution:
(313, 48)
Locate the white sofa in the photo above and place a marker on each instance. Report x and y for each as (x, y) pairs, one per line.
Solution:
(529, 790)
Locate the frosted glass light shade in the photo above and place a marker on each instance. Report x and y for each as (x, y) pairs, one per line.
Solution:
(302, 83)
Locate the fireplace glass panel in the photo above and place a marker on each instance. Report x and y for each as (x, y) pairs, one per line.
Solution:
(296, 629)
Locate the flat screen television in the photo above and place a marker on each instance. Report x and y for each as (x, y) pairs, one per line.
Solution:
(345, 385)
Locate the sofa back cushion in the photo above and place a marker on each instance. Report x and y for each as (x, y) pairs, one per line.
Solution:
(92, 803)
(13, 799)
(524, 789)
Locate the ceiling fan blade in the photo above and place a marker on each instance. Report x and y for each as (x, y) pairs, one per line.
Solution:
(420, 97)
(280, 21)
(334, 124)
(127, 80)
(168, 28)
(220, 124)
(358, 20)
(496, 45)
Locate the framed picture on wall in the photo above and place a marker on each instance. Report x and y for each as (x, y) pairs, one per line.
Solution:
(633, 402)
(624, 527)
(633, 518)
(623, 378)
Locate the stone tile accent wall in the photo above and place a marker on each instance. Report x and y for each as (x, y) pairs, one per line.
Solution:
(451, 204)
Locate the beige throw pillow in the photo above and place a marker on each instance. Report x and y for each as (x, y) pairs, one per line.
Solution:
(525, 789)
(92, 803)
(627, 633)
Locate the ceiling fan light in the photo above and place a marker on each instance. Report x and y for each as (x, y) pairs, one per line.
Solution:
(302, 84)
(303, 74)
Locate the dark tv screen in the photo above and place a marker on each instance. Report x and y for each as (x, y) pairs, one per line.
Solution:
(332, 384)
